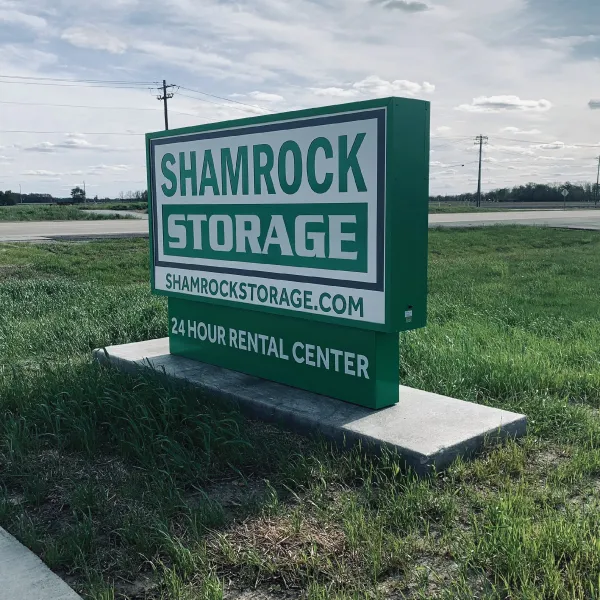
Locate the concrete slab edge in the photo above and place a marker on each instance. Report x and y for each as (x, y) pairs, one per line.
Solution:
(256, 408)
(24, 576)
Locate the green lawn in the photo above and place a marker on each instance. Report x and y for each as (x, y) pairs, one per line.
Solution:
(33, 212)
(132, 488)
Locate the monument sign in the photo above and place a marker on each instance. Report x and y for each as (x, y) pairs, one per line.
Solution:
(293, 247)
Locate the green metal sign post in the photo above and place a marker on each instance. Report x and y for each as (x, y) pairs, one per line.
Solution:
(293, 247)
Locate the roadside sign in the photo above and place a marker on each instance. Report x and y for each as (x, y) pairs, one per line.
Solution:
(313, 220)
(565, 192)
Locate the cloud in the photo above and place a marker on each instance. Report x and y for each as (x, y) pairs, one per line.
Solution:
(335, 92)
(594, 104)
(443, 129)
(16, 17)
(553, 146)
(93, 170)
(569, 42)
(494, 104)
(98, 169)
(553, 158)
(41, 173)
(93, 38)
(23, 56)
(517, 131)
(515, 149)
(72, 141)
(182, 56)
(42, 147)
(403, 5)
(265, 97)
(378, 87)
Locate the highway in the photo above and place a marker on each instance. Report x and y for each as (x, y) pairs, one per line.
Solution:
(31, 231)
(569, 219)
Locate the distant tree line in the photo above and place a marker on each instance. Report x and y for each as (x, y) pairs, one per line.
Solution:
(531, 192)
(8, 198)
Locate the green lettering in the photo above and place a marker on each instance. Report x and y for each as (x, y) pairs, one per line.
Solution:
(263, 171)
(228, 172)
(168, 159)
(290, 188)
(356, 307)
(349, 161)
(188, 173)
(209, 175)
(315, 186)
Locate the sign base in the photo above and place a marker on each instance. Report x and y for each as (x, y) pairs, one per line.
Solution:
(427, 430)
(354, 365)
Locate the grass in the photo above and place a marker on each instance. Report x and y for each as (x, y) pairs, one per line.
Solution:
(437, 209)
(32, 212)
(143, 206)
(132, 488)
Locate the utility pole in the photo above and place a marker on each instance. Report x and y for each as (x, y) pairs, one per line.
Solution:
(166, 96)
(480, 139)
(597, 184)
(84, 195)
(20, 195)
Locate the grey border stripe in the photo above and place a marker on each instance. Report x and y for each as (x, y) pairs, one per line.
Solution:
(379, 114)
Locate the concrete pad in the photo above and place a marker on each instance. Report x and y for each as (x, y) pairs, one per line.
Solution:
(427, 430)
(24, 576)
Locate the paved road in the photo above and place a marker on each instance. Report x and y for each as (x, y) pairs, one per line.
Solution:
(46, 230)
(571, 219)
(27, 231)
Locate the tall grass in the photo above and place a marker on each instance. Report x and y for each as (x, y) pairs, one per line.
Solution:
(135, 487)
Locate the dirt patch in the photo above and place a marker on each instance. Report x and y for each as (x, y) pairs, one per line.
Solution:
(278, 550)
(274, 594)
(431, 576)
(549, 458)
(232, 494)
(139, 588)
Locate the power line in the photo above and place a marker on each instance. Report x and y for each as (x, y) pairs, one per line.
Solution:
(530, 142)
(449, 137)
(212, 102)
(254, 106)
(70, 132)
(201, 99)
(64, 82)
(73, 80)
(89, 106)
(87, 85)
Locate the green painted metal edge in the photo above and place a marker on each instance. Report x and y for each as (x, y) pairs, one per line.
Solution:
(406, 288)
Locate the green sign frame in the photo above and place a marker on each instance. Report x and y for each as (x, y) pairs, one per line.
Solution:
(317, 219)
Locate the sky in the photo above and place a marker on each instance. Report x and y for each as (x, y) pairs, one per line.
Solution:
(524, 73)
